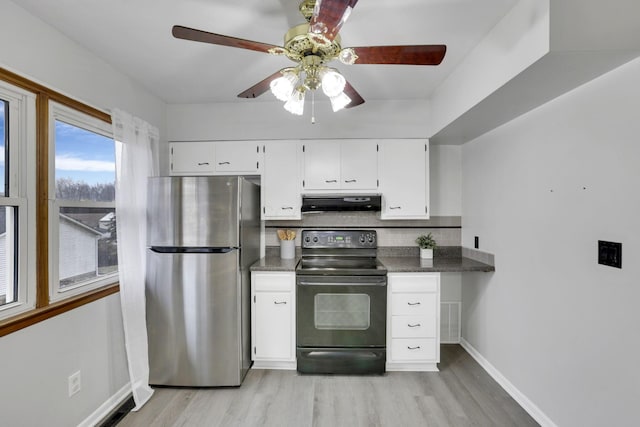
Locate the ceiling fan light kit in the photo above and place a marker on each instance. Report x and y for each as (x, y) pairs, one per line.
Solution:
(312, 45)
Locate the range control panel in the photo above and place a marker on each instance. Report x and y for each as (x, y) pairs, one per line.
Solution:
(339, 239)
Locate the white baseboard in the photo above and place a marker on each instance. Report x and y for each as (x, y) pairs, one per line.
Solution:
(531, 408)
(107, 407)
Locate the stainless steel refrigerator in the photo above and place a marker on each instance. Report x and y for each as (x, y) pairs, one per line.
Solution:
(203, 235)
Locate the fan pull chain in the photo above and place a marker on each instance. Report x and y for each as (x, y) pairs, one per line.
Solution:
(313, 107)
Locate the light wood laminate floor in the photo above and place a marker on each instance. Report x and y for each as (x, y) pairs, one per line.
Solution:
(461, 394)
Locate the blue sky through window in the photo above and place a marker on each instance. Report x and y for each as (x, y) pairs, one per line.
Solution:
(82, 155)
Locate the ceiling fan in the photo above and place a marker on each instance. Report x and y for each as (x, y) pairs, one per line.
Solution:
(312, 45)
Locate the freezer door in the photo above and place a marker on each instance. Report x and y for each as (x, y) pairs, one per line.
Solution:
(193, 211)
(194, 319)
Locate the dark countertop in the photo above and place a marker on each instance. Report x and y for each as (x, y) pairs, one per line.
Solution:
(414, 264)
(275, 263)
(394, 264)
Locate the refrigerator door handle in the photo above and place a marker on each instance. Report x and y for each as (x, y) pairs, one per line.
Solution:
(189, 250)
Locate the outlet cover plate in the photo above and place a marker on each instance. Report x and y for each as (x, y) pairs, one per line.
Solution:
(75, 383)
(610, 253)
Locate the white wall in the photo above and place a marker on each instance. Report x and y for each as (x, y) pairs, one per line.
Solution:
(540, 192)
(36, 361)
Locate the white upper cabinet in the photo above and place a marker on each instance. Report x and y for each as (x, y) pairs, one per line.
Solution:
(281, 180)
(403, 171)
(340, 165)
(192, 158)
(216, 158)
(322, 165)
(238, 156)
(359, 165)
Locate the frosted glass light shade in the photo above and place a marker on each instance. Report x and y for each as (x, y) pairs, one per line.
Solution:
(295, 104)
(283, 86)
(332, 82)
(339, 101)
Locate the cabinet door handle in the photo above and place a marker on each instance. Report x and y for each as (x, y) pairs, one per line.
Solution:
(349, 181)
(203, 163)
(224, 163)
(413, 348)
(286, 207)
(395, 207)
(328, 181)
(414, 303)
(413, 326)
(279, 302)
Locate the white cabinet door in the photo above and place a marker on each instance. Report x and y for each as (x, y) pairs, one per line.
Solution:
(193, 158)
(359, 165)
(237, 156)
(404, 179)
(322, 165)
(281, 180)
(273, 314)
(273, 325)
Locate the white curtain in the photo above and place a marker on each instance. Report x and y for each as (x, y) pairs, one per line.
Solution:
(136, 140)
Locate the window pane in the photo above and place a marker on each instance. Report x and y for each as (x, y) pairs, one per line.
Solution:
(342, 311)
(8, 245)
(4, 137)
(85, 164)
(88, 248)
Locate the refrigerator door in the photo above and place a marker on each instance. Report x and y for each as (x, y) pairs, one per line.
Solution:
(194, 314)
(193, 211)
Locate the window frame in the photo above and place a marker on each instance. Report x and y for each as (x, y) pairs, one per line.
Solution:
(62, 113)
(20, 141)
(38, 208)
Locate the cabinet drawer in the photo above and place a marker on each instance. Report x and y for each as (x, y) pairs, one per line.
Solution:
(413, 349)
(413, 327)
(273, 282)
(421, 304)
(413, 283)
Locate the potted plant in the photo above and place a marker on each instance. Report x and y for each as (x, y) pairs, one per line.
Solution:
(427, 244)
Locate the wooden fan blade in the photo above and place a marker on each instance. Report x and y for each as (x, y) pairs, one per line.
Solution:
(186, 33)
(327, 19)
(261, 87)
(407, 55)
(356, 99)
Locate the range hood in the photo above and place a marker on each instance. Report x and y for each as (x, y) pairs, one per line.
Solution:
(340, 202)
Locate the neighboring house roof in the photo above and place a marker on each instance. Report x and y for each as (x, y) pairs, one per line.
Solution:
(90, 219)
(81, 225)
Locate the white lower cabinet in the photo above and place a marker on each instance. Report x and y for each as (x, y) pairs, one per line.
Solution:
(413, 321)
(273, 319)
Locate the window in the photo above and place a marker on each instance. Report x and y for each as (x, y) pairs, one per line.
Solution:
(83, 252)
(17, 249)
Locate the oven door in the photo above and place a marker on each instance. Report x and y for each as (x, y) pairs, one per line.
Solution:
(341, 311)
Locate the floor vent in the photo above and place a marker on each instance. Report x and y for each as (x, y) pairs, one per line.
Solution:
(450, 321)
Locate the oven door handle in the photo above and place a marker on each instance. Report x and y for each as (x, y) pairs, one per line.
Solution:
(372, 281)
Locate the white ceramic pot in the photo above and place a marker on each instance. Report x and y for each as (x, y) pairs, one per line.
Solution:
(426, 253)
(287, 249)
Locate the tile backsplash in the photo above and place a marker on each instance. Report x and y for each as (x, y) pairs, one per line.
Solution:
(446, 230)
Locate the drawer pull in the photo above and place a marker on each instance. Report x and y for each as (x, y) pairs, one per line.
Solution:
(413, 348)
(224, 163)
(413, 326)
(349, 181)
(279, 302)
(203, 163)
(395, 207)
(413, 303)
(286, 208)
(330, 181)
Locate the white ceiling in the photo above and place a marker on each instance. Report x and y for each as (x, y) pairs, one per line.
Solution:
(135, 37)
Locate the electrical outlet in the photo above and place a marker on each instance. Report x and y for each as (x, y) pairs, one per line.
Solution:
(75, 383)
(610, 253)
